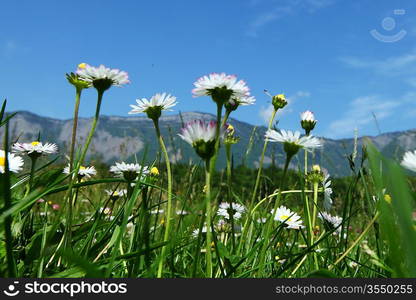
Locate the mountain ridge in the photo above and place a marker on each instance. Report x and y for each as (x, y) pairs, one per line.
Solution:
(120, 137)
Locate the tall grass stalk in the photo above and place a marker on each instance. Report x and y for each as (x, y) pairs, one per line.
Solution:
(169, 204)
(256, 185)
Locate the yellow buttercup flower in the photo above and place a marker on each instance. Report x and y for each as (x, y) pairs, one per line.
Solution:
(387, 198)
(154, 171)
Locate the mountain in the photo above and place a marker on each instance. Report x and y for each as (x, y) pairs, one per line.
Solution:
(121, 138)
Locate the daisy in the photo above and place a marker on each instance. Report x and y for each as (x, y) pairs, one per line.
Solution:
(307, 121)
(331, 221)
(116, 193)
(236, 211)
(15, 162)
(326, 183)
(102, 78)
(128, 171)
(154, 106)
(221, 87)
(83, 171)
(201, 136)
(195, 233)
(292, 141)
(409, 160)
(235, 102)
(35, 149)
(289, 218)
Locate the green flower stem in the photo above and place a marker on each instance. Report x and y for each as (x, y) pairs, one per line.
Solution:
(256, 185)
(43, 242)
(306, 161)
(32, 171)
(208, 218)
(169, 208)
(213, 160)
(271, 219)
(315, 209)
(74, 129)
(68, 196)
(229, 190)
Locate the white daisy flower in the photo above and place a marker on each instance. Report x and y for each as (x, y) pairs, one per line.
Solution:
(195, 233)
(182, 212)
(331, 221)
(307, 116)
(289, 218)
(35, 148)
(307, 121)
(220, 84)
(326, 183)
(262, 220)
(128, 171)
(157, 211)
(409, 160)
(15, 162)
(201, 136)
(226, 211)
(116, 193)
(293, 140)
(102, 77)
(159, 101)
(83, 171)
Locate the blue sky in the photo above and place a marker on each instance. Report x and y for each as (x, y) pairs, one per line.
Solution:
(320, 53)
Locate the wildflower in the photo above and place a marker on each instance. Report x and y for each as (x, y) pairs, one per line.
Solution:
(76, 80)
(409, 160)
(157, 211)
(331, 222)
(56, 206)
(154, 107)
(221, 87)
(279, 101)
(290, 219)
(115, 194)
(128, 171)
(235, 210)
(181, 212)
(102, 78)
(316, 175)
(35, 148)
(15, 162)
(154, 171)
(387, 198)
(105, 210)
(86, 172)
(195, 233)
(229, 138)
(201, 136)
(307, 121)
(235, 102)
(292, 142)
(326, 183)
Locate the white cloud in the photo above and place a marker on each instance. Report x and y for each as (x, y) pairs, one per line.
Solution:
(360, 113)
(396, 65)
(280, 9)
(265, 112)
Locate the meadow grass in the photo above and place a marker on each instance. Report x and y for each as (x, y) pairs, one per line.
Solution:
(196, 220)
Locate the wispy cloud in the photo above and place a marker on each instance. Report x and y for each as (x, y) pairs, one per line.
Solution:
(279, 9)
(265, 112)
(392, 66)
(9, 48)
(361, 112)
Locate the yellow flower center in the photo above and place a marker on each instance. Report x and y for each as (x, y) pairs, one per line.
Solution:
(115, 193)
(316, 168)
(82, 65)
(281, 96)
(35, 143)
(154, 171)
(82, 168)
(2, 161)
(286, 219)
(387, 198)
